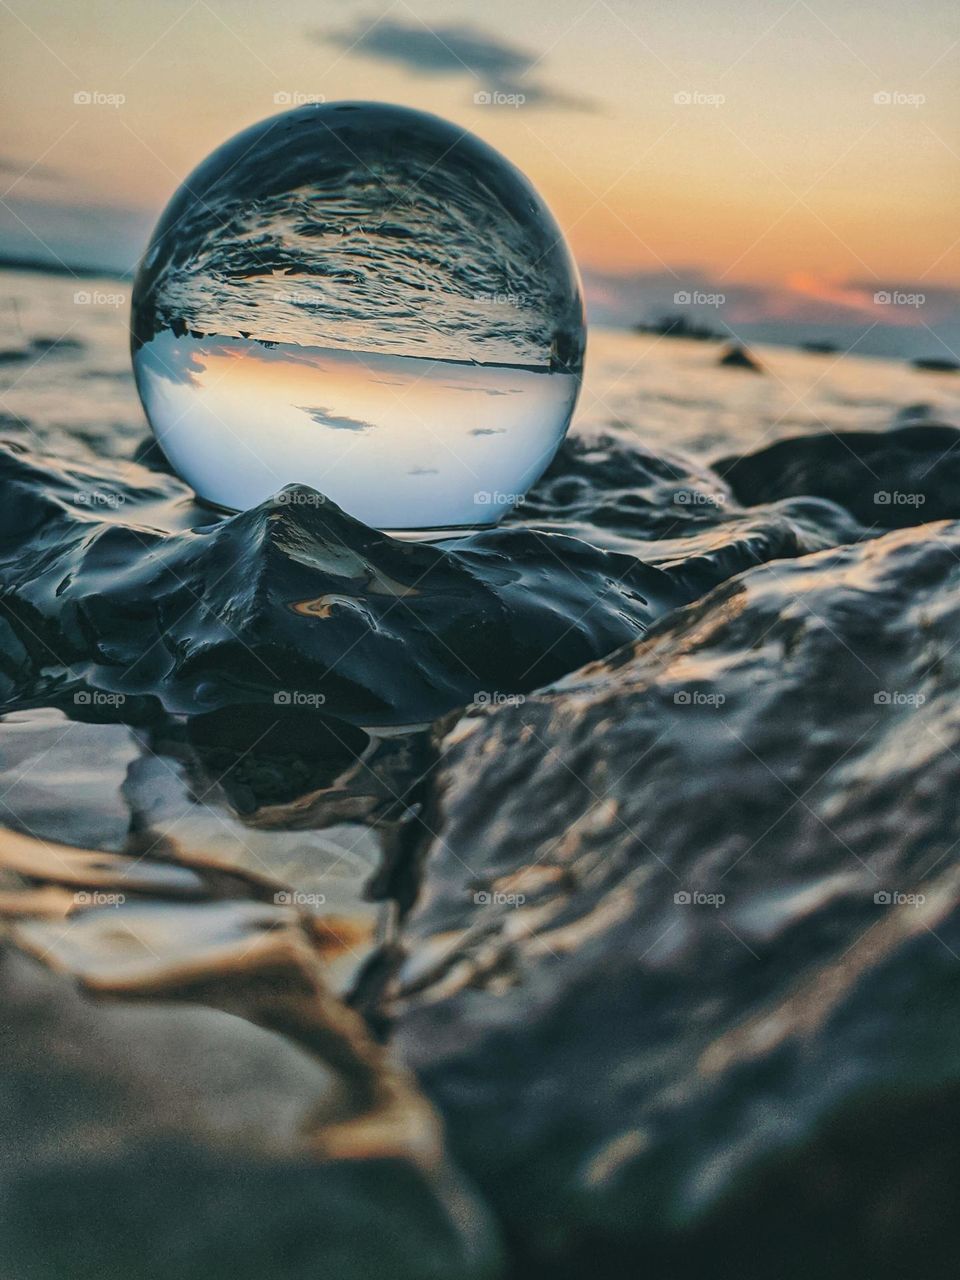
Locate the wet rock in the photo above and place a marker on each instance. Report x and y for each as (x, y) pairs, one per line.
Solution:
(888, 479)
(323, 873)
(936, 364)
(688, 935)
(149, 454)
(675, 514)
(88, 870)
(245, 1126)
(295, 598)
(61, 779)
(819, 348)
(737, 357)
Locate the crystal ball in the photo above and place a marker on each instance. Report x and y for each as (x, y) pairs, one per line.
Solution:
(366, 300)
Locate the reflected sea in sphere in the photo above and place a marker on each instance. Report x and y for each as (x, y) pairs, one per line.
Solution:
(367, 300)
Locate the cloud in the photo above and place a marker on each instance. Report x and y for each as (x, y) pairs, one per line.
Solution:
(324, 418)
(454, 49)
(24, 169)
(799, 308)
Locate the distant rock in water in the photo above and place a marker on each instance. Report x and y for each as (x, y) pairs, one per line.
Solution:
(734, 910)
(739, 358)
(936, 364)
(819, 348)
(678, 326)
(912, 414)
(38, 347)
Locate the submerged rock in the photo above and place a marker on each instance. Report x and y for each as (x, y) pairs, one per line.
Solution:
(680, 972)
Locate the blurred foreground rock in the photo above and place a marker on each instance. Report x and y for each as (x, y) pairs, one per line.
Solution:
(683, 973)
(189, 1100)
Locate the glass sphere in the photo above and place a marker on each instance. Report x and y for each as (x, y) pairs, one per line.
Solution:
(367, 300)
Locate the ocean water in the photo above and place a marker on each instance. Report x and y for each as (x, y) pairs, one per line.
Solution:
(67, 385)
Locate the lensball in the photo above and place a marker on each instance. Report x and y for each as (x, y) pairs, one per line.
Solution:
(363, 299)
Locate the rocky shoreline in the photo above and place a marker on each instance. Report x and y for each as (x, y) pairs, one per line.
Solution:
(650, 958)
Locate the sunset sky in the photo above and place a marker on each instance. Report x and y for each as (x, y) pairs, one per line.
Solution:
(735, 142)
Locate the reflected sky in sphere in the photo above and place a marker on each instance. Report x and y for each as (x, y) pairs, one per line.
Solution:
(367, 300)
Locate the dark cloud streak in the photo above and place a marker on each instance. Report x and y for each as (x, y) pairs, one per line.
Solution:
(336, 422)
(454, 50)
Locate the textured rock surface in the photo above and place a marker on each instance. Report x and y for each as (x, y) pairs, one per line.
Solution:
(889, 479)
(213, 1112)
(692, 1032)
(293, 599)
(678, 943)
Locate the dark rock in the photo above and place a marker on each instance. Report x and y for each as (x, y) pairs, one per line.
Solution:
(737, 357)
(142, 1140)
(679, 326)
(632, 1067)
(38, 347)
(296, 599)
(888, 479)
(109, 583)
(673, 513)
(936, 364)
